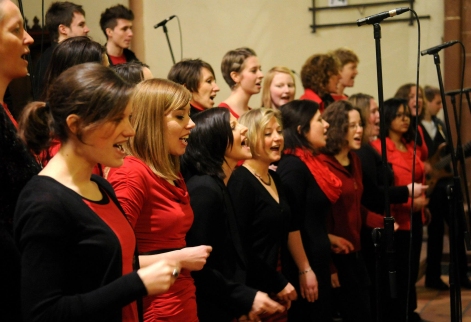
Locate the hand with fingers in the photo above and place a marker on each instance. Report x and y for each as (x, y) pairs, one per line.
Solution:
(287, 295)
(308, 285)
(158, 277)
(263, 305)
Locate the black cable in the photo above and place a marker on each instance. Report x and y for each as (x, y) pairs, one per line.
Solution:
(413, 162)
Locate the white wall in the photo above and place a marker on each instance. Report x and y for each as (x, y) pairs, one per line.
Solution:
(278, 30)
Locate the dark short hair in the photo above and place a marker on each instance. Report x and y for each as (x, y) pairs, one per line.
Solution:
(109, 17)
(391, 106)
(430, 92)
(208, 143)
(130, 71)
(70, 52)
(317, 70)
(336, 114)
(234, 61)
(188, 73)
(61, 13)
(298, 113)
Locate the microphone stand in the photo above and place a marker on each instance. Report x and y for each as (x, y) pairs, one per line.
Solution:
(388, 219)
(168, 42)
(453, 193)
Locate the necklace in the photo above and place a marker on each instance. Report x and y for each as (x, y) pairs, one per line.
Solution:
(263, 181)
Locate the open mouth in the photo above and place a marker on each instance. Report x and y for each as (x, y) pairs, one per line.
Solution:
(119, 147)
(245, 142)
(275, 148)
(184, 139)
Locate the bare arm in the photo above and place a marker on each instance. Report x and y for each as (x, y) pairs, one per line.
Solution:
(307, 277)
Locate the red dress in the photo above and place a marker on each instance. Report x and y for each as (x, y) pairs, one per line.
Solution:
(161, 215)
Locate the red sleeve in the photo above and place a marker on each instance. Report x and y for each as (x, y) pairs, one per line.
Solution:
(129, 184)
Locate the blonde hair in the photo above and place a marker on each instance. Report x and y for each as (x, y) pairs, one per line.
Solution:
(152, 100)
(266, 95)
(256, 120)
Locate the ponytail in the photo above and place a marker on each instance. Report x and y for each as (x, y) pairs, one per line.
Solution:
(35, 126)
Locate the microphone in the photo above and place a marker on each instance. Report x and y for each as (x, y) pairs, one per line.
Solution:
(163, 22)
(381, 16)
(436, 49)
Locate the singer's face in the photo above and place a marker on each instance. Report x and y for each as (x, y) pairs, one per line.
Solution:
(401, 122)
(317, 131)
(250, 78)
(14, 42)
(207, 89)
(373, 120)
(282, 89)
(347, 74)
(435, 105)
(412, 103)
(355, 130)
(78, 26)
(121, 35)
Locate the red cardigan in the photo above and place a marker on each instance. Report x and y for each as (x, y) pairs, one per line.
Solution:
(402, 167)
(345, 219)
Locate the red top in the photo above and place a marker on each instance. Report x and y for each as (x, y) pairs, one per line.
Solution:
(402, 167)
(230, 109)
(161, 216)
(112, 216)
(345, 219)
(118, 60)
(309, 94)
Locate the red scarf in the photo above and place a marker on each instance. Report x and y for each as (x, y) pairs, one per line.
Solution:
(329, 183)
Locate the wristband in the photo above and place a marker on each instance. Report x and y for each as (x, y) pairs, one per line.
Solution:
(306, 271)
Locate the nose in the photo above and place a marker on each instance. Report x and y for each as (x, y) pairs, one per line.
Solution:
(326, 125)
(27, 39)
(86, 30)
(216, 88)
(190, 124)
(260, 74)
(129, 130)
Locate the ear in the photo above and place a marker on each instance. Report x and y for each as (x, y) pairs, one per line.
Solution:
(109, 32)
(235, 77)
(299, 129)
(63, 30)
(72, 123)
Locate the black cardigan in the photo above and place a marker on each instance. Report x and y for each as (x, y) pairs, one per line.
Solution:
(71, 259)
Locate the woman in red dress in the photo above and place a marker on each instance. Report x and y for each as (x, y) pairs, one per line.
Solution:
(154, 196)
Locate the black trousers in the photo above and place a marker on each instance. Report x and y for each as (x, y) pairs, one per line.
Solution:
(407, 270)
(352, 298)
(439, 209)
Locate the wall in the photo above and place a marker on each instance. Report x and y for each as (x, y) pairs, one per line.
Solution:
(279, 31)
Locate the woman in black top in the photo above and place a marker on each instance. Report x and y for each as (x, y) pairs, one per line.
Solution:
(215, 146)
(261, 208)
(310, 189)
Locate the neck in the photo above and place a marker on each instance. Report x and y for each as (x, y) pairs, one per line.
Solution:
(238, 100)
(113, 50)
(342, 156)
(257, 166)
(69, 168)
(3, 87)
(427, 116)
(340, 89)
(228, 166)
(395, 137)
